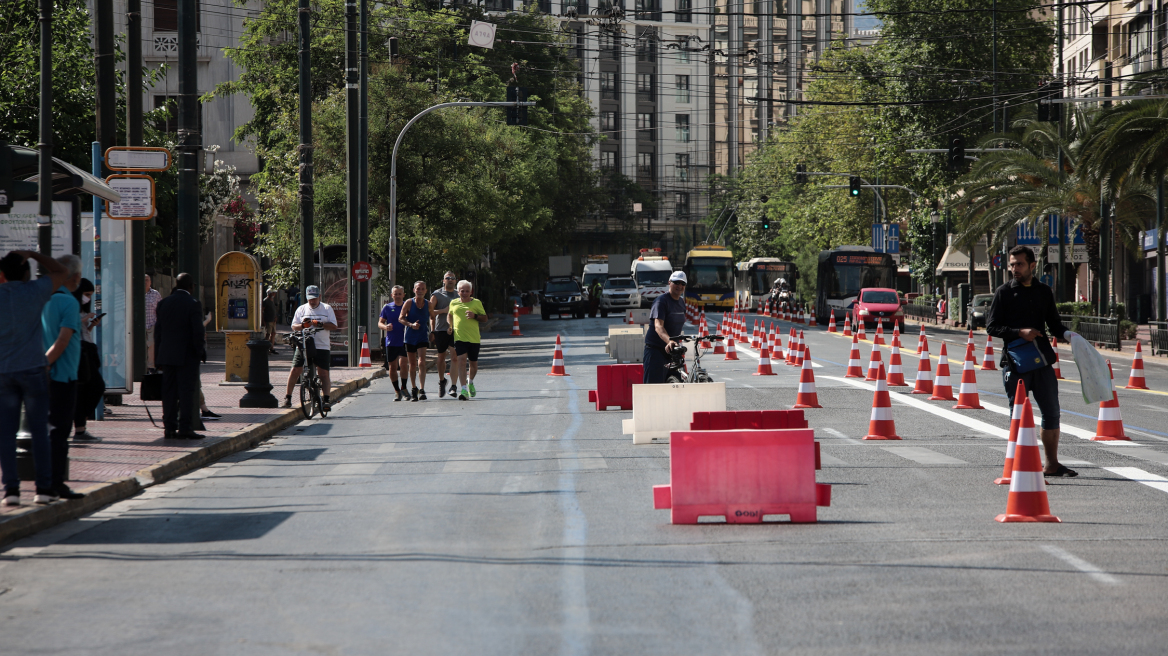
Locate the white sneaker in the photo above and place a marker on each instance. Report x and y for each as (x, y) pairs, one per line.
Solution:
(45, 499)
(12, 500)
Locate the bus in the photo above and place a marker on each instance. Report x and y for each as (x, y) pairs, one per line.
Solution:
(709, 271)
(755, 278)
(844, 271)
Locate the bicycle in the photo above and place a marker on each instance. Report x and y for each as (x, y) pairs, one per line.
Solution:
(676, 369)
(311, 400)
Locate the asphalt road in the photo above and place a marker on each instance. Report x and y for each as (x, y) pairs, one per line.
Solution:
(522, 522)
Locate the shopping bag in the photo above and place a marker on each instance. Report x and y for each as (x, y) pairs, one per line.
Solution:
(1093, 371)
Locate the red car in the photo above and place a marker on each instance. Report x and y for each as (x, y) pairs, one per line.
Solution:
(878, 303)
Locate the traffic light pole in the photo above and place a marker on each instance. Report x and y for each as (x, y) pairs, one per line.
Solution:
(45, 177)
(392, 254)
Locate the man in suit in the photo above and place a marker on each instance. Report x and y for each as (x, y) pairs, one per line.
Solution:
(179, 345)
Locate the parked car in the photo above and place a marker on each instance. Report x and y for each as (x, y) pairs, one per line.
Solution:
(562, 296)
(619, 294)
(876, 303)
(979, 311)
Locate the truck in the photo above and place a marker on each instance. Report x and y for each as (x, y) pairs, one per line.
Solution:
(651, 271)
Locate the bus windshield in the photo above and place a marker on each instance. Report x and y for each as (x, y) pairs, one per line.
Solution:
(848, 279)
(654, 278)
(710, 274)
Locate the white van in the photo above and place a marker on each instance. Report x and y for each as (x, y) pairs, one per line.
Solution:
(594, 271)
(652, 273)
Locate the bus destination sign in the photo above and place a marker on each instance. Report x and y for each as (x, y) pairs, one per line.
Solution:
(869, 260)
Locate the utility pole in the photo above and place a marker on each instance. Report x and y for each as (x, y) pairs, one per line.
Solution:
(994, 58)
(1102, 284)
(189, 142)
(733, 63)
(766, 62)
(363, 300)
(137, 228)
(1161, 293)
(106, 83)
(794, 46)
(305, 54)
(352, 170)
(1060, 288)
(45, 146)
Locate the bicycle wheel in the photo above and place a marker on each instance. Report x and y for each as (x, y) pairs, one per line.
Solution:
(319, 399)
(307, 405)
(673, 378)
(702, 377)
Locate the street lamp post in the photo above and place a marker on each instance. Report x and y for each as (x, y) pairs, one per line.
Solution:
(934, 219)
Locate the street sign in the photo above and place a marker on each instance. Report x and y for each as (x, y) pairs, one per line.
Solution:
(481, 34)
(137, 158)
(997, 260)
(137, 197)
(362, 271)
(1078, 254)
(886, 234)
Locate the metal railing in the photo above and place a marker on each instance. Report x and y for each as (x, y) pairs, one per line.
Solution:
(921, 312)
(1159, 337)
(1103, 331)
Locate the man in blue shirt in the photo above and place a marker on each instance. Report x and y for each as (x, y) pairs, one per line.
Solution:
(22, 368)
(666, 319)
(61, 334)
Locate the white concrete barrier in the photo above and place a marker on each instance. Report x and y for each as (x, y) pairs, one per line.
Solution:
(661, 409)
(626, 343)
(638, 316)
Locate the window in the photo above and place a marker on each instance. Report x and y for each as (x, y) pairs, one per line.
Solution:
(681, 166)
(683, 15)
(646, 50)
(170, 122)
(608, 86)
(608, 160)
(645, 126)
(649, 10)
(682, 88)
(681, 122)
(609, 45)
(608, 121)
(645, 87)
(644, 167)
(681, 203)
(166, 16)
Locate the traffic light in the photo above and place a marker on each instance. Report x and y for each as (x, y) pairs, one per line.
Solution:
(957, 153)
(11, 187)
(516, 115)
(766, 223)
(854, 186)
(800, 174)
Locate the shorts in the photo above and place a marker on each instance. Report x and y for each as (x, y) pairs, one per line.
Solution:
(1042, 384)
(469, 349)
(653, 363)
(394, 352)
(442, 341)
(413, 348)
(320, 358)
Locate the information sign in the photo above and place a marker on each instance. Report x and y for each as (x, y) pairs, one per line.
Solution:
(481, 34)
(137, 197)
(137, 158)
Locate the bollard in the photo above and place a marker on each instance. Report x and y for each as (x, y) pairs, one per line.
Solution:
(259, 388)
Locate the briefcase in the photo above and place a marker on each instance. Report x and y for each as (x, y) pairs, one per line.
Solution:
(151, 387)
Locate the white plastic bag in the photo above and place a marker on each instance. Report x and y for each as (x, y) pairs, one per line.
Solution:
(1093, 371)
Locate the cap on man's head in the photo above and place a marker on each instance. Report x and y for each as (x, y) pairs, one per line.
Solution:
(312, 292)
(271, 290)
(678, 276)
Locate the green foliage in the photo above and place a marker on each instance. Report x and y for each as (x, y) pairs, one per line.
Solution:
(1073, 308)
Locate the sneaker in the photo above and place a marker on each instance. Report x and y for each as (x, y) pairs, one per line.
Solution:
(287, 402)
(65, 493)
(85, 437)
(12, 499)
(44, 497)
(421, 395)
(327, 405)
(397, 395)
(442, 387)
(463, 396)
(207, 414)
(471, 387)
(415, 395)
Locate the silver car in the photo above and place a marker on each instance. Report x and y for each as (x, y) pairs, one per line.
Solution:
(619, 294)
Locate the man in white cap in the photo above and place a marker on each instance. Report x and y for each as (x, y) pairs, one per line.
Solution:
(666, 319)
(313, 313)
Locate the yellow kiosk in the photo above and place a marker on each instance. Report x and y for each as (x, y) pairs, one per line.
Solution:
(238, 294)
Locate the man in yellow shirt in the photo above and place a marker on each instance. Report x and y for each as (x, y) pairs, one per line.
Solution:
(465, 313)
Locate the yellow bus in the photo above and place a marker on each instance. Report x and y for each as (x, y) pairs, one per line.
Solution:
(709, 271)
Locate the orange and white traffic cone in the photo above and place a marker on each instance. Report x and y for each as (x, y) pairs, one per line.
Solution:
(754, 335)
(1058, 372)
(875, 363)
(802, 317)
(924, 382)
(1015, 423)
(703, 331)
(895, 373)
(987, 358)
(365, 361)
(854, 364)
(831, 323)
(731, 352)
(967, 396)
(558, 361)
(942, 388)
(791, 346)
(811, 318)
(921, 339)
(764, 362)
(847, 325)
(800, 348)
(1027, 501)
(879, 338)
(896, 334)
(969, 341)
(807, 397)
(515, 324)
(1109, 427)
(880, 425)
(860, 329)
(1136, 379)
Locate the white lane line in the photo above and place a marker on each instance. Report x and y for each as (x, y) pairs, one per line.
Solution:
(1080, 564)
(922, 455)
(1065, 461)
(514, 484)
(1140, 476)
(536, 409)
(581, 460)
(830, 461)
(1141, 452)
(774, 360)
(1069, 430)
(465, 465)
(393, 447)
(960, 419)
(355, 469)
(841, 437)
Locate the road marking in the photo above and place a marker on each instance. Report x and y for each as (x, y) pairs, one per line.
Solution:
(537, 409)
(1138, 452)
(514, 484)
(1140, 476)
(576, 629)
(466, 465)
(1070, 430)
(841, 437)
(355, 469)
(960, 419)
(922, 455)
(830, 461)
(1080, 564)
(582, 460)
(1065, 461)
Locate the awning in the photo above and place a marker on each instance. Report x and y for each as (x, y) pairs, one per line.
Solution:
(957, 261)
(68, 180)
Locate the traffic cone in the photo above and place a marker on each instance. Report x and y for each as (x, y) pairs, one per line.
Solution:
(860, 329)
(786, 313)
(895, 373)
(1027, 501)
(558, 361)
(1015, 422)
(800, 348)
(854, 365)
(1109, 427)
(802, 318)
(754, 335)
(847, 325)
(365, 361)
(879, 338)
(875, 363)
(942, 388)
(969, 341)
(1136, 379)
(987, 358)
(967, 396)
(1058, 372)
(703, 331)
(811, 318)
(807, 398)
(921, 339)
(896, 334)
(515, 324)
(831, 323)
(881, 426)
(764, 362)
(791, 346)
(731, 352)
(924, 382)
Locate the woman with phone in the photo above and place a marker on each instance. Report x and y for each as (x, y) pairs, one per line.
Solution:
(90, 384)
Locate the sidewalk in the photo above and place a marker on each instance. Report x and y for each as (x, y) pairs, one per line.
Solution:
(133, 454)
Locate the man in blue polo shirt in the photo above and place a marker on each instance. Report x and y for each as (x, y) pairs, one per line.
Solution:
(666, 319)
(61, 334)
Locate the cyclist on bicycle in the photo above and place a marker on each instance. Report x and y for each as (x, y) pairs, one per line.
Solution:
(667, 317)
(318, 314)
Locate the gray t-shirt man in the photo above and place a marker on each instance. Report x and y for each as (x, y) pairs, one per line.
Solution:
(442, 299)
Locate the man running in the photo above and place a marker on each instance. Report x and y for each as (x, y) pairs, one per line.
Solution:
(395, 346)
(466, 314)
(443, 340)
(415, 316)
(319, 314)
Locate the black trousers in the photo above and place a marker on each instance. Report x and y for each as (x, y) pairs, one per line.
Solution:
(62, 399)
(180, 389)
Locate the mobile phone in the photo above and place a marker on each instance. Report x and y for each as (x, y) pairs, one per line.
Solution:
(94, 320)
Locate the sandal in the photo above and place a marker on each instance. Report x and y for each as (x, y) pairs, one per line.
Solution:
(1062, 471)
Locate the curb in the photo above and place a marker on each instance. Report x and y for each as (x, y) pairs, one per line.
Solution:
(33, 519)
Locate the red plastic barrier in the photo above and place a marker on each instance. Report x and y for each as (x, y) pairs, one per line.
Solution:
(742, 475)
(752, 419)
(614, 385)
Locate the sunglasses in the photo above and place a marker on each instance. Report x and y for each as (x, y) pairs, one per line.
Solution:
(677, 282)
